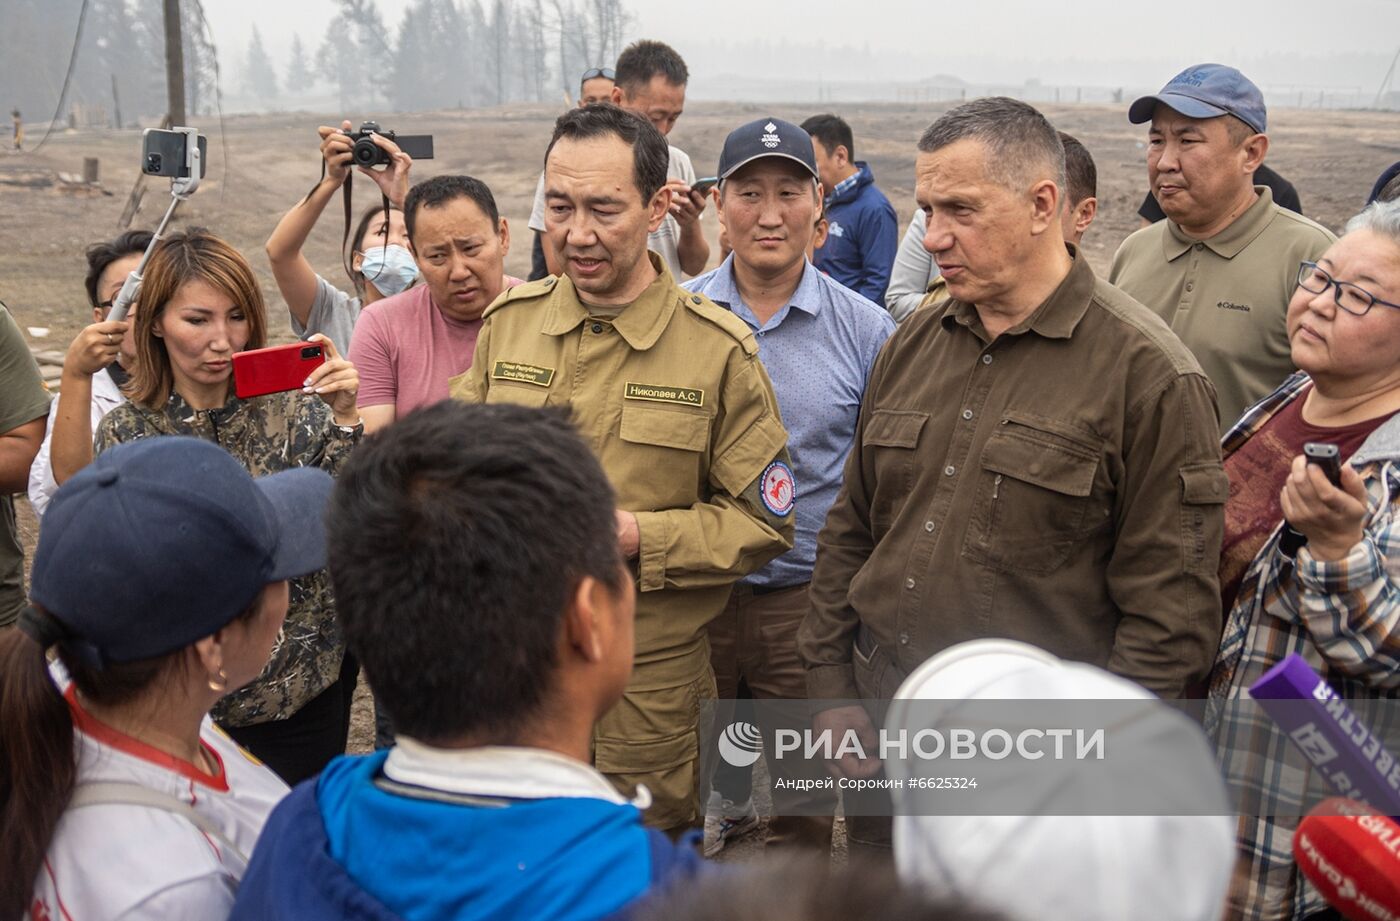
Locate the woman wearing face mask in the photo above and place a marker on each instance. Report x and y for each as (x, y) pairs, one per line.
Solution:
(200, 304)
(381, 265)
(118, 797)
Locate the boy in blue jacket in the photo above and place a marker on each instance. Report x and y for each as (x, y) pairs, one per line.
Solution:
(862, 229)
(478, 579)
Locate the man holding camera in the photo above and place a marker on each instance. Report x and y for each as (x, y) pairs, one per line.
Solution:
(669, 391)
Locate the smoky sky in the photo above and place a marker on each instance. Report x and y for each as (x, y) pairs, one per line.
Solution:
(1303, 44)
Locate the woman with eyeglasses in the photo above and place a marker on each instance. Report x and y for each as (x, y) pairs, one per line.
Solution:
(1310, 567)
(94, 369)
(379, 262)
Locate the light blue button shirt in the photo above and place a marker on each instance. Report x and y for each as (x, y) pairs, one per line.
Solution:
(818, 351)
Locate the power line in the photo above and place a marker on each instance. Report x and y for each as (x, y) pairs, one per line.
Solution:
(67, 78)
(218, 95)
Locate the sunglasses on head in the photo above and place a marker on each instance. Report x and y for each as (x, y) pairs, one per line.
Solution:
(595, 72)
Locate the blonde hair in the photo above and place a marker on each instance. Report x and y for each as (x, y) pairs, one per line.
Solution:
(195, 255)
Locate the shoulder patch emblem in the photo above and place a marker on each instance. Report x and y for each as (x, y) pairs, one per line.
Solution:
(778, 489)
(686, 396)
(522, 373)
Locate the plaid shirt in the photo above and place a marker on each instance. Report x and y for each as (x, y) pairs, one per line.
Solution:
(1343, 617)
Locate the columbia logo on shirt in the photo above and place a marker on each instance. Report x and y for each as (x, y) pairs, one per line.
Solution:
(1231, 305)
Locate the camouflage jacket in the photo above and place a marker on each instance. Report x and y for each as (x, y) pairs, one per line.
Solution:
(268, 434)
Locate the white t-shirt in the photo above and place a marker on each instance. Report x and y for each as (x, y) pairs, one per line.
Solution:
(106, 396)
(117, 861)
(666, 239)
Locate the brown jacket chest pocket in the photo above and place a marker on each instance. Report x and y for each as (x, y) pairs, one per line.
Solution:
(662, 459)
(1035, 499)
(890, 441)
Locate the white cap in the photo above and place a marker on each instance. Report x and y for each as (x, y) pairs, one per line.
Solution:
(1080, 866)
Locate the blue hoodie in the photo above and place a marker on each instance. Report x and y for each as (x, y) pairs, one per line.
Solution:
(340, 847)
(863, 238)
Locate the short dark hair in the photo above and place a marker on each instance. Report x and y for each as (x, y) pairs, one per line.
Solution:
(804, 887)
(1018, 137)
(101, 255)
(651, 156)
(640, 61)
(833, 132)
(456, 538)
(1080, 173)
(439, 190)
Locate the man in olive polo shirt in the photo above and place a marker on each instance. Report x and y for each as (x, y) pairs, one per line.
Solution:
(1221, 268)
(670, 392)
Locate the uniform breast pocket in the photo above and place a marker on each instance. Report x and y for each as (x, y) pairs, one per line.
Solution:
(891, 440)
(1035, 497)
(517, 394)
(667, 450)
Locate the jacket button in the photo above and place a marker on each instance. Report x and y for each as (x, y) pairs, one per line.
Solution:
(695, 299)
(949, 470)
(597, 327)
(908, 583)
(904, 639)
(929, 526)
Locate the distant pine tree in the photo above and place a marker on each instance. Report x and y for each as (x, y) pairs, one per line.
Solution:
(300, 77)
(259, 77)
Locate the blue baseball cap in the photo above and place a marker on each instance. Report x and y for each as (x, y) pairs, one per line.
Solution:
(1206, 91)
(766, 137)
(161, 542)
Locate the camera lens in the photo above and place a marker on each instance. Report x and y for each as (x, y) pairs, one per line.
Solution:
(153, 163)
(311, 351)
(365, 152)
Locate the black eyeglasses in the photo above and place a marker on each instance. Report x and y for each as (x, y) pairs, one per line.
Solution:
(594, 72)
(1354, 299)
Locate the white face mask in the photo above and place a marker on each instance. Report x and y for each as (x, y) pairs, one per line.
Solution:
(390, 268)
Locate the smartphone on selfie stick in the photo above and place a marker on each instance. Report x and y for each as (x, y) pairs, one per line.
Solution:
(179, 154)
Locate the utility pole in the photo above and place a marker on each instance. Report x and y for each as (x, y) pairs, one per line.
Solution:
(174, 64)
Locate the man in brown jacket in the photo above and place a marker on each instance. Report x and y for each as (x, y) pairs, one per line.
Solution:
(1036, 459)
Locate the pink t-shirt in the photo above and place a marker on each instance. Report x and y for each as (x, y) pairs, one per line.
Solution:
(406, 350)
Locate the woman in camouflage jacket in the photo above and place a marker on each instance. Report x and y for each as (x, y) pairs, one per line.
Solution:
(199, 304)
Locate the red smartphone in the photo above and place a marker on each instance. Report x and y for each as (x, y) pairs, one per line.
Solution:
(275, 369)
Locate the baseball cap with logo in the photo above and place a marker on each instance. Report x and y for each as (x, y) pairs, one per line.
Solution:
(163, 541)
(1206, 91)
(766, 137)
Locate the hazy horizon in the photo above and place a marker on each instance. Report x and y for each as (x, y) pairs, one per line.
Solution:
(1284, 45)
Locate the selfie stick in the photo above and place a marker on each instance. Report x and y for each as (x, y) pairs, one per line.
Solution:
(181, 188)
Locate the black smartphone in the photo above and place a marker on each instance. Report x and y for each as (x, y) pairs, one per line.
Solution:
(703, 186)
(1328, 457)
(163, 154)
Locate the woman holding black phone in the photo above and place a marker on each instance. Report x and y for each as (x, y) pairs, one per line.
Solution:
(1311, 561)
(201, 305)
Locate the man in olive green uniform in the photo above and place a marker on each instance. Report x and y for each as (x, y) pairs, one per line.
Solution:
(669, 391)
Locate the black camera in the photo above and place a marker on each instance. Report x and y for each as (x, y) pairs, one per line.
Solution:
(367, 153)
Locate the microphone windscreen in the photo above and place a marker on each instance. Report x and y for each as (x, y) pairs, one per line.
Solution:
(1352, 855)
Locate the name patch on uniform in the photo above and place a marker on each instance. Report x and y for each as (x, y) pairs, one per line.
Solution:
(686, 396)
(778, 489)
(523, 374)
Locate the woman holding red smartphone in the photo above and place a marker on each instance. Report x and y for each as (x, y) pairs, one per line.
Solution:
(201, 305)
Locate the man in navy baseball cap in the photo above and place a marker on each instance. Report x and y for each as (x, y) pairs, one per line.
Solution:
(817, 340)
(163, 541)
(1220, 269)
